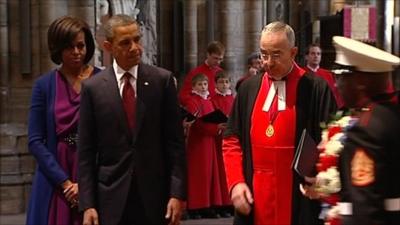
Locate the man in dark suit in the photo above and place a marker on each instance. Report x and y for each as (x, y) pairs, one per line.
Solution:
(132, 165)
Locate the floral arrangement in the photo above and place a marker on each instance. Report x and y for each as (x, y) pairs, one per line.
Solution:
(328, 180)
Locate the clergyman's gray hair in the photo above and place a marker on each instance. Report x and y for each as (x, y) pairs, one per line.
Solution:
(117, 21)
(279, 26)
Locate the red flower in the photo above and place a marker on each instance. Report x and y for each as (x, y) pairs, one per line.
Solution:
(333, 221)
(333, 130)
(332, 199)
(326, 161)
(319, 167)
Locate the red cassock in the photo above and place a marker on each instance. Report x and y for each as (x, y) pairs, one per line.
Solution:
(330, 79)
(204, 188)
(272, 156)
(223, 103)
(186, 90)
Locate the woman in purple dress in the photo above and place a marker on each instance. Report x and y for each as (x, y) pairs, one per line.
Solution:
(53, 123)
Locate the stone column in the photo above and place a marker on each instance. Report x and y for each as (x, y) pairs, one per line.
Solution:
(202, 30)
(296, 13)
(321, 8)
(4, 62)
(36, 39)
(252, 26)
(232, 32)
(49, 10)
(190, 34)
(165, 47)
(84, 9)
(20, 85)
(148, 18)
(396, 29)
(380, 24)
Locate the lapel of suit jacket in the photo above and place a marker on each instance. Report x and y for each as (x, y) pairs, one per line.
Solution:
(143, 86)
(115, 97)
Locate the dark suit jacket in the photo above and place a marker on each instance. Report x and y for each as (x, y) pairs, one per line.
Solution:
(377, 135)
(109, 154)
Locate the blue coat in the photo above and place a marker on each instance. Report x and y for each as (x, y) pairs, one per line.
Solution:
(42, 143)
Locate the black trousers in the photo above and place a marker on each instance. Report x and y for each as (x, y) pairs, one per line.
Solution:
(134, 213)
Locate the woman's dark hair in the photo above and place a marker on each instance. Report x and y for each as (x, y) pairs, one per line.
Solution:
(61, 34)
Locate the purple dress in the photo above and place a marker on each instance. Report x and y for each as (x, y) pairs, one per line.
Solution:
(66, 112)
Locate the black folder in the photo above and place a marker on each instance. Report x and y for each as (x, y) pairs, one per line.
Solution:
(187, 115)
(216, 116)
(306, 156)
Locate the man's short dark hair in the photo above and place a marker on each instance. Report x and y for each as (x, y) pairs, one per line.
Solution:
(221, 74)
(251, 57)
(118, 20)
(199, 77)
(62, 33)
(312, 46)
(215, 47)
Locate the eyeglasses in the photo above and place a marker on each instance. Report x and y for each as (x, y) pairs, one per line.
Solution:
(273, 56)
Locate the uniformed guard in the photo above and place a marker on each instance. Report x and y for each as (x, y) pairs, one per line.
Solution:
(370, 161)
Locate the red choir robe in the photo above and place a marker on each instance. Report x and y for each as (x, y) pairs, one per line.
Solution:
(330, 79)
(264, 163)
(186, 89)
(223, 103)
(204, 189)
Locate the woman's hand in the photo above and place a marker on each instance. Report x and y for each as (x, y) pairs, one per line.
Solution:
(70, 191)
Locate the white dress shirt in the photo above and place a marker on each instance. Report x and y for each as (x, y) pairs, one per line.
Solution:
(119, 72)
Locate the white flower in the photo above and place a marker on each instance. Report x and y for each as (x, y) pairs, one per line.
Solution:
(344, 121)
(328, 182)
(334, 146)
(324, 135)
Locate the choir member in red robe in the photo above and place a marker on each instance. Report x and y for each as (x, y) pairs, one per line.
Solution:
(223, 100)
(313, 59)
(204, 189)
(269, 113)
(210, 67)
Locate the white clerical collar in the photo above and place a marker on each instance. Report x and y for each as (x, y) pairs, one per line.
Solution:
(203, 96)
(228, 92)
(313, 69)
(279, 87)
(119, 72)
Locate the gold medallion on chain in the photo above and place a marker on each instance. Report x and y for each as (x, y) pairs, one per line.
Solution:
(269, 131)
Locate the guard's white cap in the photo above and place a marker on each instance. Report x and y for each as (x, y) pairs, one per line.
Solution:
(363, 57)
